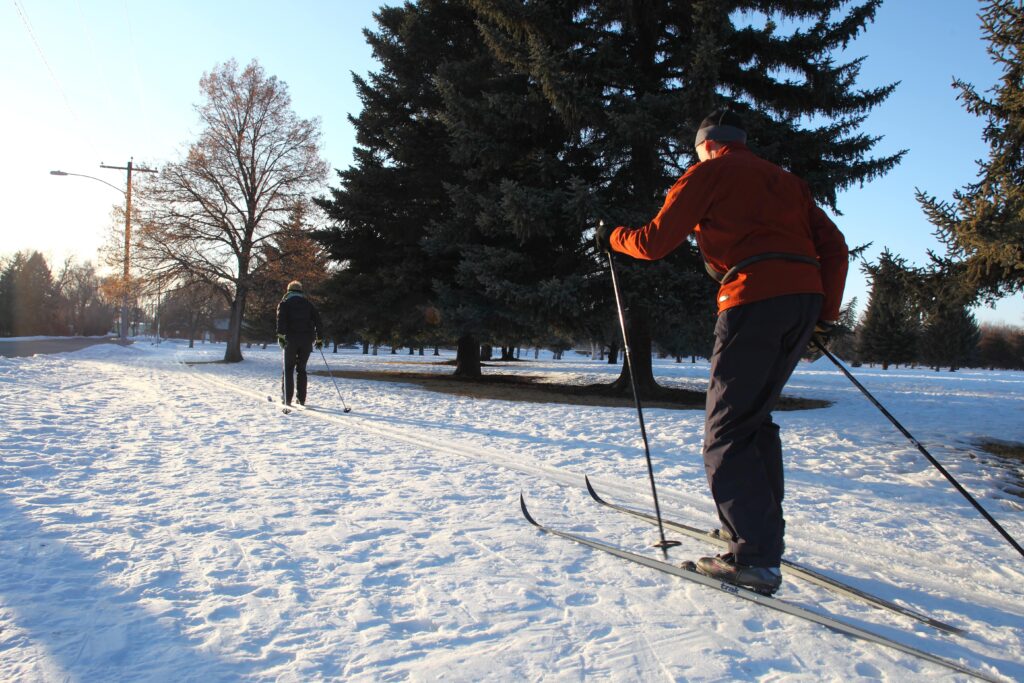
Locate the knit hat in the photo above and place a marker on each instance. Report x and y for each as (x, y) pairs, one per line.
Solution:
(721, 125)
(294, 286)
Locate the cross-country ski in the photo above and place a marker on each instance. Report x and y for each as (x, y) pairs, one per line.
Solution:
(691, 574)
(788, 567)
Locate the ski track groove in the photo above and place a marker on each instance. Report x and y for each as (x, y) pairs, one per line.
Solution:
(260, 482)
(553, 475)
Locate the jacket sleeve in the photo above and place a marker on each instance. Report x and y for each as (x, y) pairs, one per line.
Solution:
(685, 205)
(282, 318)
(834, 257)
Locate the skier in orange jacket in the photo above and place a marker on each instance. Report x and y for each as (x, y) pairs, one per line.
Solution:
(781, 264)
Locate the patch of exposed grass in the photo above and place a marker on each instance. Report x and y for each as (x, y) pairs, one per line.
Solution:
(1005, 449)
(531, 389)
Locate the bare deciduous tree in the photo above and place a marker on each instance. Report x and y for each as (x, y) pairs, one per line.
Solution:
(205, 218)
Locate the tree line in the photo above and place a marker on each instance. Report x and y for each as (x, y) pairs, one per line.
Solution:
(494, 135)
(36, 302)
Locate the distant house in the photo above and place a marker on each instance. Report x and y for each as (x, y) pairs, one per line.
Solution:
(218, 332)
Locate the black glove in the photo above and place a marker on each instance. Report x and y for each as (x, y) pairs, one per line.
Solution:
(319, 344)
(823, 331)
(603, 237)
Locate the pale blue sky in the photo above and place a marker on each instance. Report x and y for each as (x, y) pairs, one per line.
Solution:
(91, 81)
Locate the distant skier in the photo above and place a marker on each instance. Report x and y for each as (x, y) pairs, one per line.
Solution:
(782, 267)
(298, 329)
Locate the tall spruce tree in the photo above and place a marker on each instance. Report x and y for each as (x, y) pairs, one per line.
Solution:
(397, 185)
(890, 329)
(632, 80)
(983, 226)
(514, 236)
(29, 301)
(949, 331)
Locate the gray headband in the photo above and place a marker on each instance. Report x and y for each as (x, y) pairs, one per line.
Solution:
(720, 133)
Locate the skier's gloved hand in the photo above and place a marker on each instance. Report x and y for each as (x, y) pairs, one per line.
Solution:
(603, 237)
(824, 329)
(282, 340)
(319, 344)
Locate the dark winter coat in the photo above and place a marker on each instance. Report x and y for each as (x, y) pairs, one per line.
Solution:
(297, 318)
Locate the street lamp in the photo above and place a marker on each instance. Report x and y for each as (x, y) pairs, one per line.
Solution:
(123, 327)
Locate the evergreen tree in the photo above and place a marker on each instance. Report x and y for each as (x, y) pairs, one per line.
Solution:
(890, 328)
(983, 226)
(632, 81)
(521, 265)
(29, 301)
(949, 333)
(397, 186)
(950, 338)
(843, 342)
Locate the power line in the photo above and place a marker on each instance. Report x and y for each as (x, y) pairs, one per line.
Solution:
(139, 90)
(53, 75)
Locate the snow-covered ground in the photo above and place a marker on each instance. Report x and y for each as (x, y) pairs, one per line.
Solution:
(165, 522)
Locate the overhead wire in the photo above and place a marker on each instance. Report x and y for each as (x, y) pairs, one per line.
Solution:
(53, 76)
(99, 75)
(140, 93)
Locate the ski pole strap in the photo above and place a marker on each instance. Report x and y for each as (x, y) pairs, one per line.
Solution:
(729, 275)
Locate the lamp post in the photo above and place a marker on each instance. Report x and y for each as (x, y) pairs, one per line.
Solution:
(123, 327)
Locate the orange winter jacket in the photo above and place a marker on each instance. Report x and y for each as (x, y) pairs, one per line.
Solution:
(741, 206)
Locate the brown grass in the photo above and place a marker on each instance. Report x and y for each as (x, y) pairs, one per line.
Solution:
(1005, 449)
(531, 389)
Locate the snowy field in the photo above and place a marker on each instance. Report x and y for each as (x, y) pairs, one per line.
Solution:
(160, 522)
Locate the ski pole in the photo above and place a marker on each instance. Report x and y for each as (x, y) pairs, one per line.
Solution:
(329, 372)
(924, 451)
(663, 544)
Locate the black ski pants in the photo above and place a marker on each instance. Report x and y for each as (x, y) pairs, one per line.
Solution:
(757, 347)
(296, 355)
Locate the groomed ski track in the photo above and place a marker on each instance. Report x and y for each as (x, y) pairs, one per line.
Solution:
(362, 418)
(797, 611)
(158, 526)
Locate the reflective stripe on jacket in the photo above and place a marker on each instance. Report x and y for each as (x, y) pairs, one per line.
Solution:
(740, 206)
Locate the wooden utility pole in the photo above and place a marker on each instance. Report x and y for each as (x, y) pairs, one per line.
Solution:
(127, 235)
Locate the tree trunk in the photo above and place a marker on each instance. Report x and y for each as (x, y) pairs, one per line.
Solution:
(366, 348)
(638, 328)
(467, 358)
(485, 352)
(613, 352)
(233, 350)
